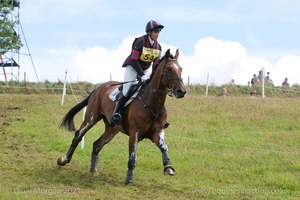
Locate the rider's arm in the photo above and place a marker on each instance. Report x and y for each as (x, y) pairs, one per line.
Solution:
(136, 52)
(138, 68)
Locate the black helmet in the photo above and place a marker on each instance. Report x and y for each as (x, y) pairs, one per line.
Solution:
(153, 25)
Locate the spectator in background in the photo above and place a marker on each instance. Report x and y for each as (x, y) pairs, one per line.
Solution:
(232, 82)
(268, 79)
(255, 80)
(285, 83)
(253, 93)
(223, 93)
(260, 76)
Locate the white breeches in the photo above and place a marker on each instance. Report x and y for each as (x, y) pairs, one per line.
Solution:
(130, 75)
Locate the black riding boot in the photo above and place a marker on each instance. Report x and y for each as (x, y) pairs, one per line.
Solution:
(167, 124)
(116, 117)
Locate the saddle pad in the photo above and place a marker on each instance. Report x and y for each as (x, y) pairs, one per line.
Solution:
(115, 92)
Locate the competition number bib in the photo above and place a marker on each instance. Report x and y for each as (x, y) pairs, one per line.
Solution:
(149, 54)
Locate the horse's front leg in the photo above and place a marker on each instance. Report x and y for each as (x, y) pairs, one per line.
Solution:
(133, 144)
(160, 142)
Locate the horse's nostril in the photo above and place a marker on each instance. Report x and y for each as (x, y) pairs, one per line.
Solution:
(180, 93)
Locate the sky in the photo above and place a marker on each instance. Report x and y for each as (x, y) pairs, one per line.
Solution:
(219, 40)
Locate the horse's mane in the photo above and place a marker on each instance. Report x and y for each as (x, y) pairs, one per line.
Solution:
(160, 61)
(164, 56)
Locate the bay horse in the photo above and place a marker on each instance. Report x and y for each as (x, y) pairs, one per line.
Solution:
(144, 117)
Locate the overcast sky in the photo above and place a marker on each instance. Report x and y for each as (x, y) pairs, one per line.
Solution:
(227, 39)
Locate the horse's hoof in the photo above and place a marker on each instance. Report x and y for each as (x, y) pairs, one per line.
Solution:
(169, 171)
(62, 161)
(129, 176)
(128, 182)
(94, 173)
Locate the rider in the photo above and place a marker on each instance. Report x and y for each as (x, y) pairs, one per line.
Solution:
(145, 51)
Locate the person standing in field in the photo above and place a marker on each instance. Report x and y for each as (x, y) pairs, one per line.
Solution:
(255, 80)
(260, 76)
(268, 79)
(232, 82)
(285, 83)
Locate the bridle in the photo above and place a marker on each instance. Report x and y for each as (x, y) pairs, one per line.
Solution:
(165, 72)
(168, 78)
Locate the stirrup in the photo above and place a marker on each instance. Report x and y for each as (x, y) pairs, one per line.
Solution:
(115, 119)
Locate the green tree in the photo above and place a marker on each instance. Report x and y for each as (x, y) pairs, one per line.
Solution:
(9, 39)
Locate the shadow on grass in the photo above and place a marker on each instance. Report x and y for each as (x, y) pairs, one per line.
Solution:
(71, 176)
(108, 180)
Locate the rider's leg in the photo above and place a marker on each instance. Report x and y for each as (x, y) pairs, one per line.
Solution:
(116, 118)
(130, 75)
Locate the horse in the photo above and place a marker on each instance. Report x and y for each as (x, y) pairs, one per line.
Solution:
(144, 117)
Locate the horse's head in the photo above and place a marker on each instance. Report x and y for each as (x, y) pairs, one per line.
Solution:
(171, 75)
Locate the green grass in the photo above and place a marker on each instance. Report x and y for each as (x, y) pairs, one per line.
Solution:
(221, 148)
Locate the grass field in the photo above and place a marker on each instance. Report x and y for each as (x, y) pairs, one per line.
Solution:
(221, 148)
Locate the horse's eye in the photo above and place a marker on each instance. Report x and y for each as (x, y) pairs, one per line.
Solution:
(169, 69)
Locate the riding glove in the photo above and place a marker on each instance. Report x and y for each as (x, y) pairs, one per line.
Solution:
(145, 78)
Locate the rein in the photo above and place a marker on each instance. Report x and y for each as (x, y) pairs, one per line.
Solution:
(147, 107)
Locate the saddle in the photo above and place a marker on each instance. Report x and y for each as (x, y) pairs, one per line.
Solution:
(132, 93)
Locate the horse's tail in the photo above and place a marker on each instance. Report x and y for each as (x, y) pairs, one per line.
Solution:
(67, 121)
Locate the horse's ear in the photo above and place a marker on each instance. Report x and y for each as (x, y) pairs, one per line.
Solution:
(167, 55)
(177, 54)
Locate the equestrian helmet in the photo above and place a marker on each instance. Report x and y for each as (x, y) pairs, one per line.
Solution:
(153, 25)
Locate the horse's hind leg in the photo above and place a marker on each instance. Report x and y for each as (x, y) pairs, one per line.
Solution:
(85, 126)
(105, 138)
(160, 142)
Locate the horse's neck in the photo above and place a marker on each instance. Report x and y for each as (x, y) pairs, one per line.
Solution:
(155, 93)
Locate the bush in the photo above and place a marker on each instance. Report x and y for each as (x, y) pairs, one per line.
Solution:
(83, 88)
